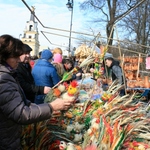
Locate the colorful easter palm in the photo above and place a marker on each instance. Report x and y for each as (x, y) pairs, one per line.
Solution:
(68, 75)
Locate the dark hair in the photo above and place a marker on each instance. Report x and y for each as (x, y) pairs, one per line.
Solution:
(10, 47)
(26, 48)
(68, 61)
(40, 53)
(34, 57)
(109, 58)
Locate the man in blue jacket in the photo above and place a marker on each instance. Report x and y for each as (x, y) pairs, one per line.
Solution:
(44, 73)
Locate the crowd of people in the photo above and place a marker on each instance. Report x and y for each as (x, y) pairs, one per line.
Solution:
(17, 85)
(25, 81)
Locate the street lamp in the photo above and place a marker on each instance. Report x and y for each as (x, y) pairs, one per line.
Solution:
(70, 7)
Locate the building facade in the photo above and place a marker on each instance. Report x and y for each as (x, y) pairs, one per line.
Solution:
(31, 34)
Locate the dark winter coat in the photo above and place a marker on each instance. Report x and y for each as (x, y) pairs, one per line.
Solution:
(116, 72)
(27, 82)
(15, 111)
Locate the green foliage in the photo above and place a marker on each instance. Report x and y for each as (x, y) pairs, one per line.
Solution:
(87, 121)
(49, 97)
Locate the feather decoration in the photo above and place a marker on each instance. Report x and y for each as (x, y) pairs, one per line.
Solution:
(67, 76)
(103, 52)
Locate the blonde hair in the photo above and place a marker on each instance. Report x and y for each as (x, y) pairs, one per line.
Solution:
(57, 50)
(60, 69)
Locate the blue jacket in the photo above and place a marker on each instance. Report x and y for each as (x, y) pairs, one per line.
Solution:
(45, 74)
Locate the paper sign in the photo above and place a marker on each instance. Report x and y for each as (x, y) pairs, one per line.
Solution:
(148, 63)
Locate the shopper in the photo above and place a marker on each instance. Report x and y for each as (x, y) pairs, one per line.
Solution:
(57, 58)
(116, 70)
(44, 73)
(15, 109)
(78, 75)
(57, 63)
(68, 64)
(62, 65)
(25, 77)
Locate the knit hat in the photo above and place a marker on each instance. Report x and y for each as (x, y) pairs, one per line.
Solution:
(108, 55)
(57, 58)
(46, 54)
(26, 48)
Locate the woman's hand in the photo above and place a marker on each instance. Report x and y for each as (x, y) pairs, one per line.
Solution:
(61, 104)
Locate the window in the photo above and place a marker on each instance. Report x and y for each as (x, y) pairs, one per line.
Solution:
(30, 28)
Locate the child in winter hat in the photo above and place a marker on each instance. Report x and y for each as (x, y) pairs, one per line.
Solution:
(57, 63)
(57, 58)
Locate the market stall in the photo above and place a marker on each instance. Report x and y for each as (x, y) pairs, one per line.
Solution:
(110, 122)
(136, 75)
(107, 122)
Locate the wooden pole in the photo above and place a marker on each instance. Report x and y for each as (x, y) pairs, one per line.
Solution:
(122, 62)
(138, 69)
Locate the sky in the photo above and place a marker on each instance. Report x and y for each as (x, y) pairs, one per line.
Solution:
(52, 13)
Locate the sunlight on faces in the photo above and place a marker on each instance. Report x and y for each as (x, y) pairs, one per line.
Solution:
(108, 62)
(25, 58)
(68, 66)
(13, 62)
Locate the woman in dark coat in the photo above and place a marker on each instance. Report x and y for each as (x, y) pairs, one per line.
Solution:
(15, 109)
(25, 78)
(116, 70)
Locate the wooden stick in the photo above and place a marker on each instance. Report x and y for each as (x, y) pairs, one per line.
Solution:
(124, 79)
(122, 62)
(138, 66)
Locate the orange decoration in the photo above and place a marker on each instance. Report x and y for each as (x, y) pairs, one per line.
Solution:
(57, 92)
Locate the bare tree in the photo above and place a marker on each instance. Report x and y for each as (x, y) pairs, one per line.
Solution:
(137, 23)
(110, 12)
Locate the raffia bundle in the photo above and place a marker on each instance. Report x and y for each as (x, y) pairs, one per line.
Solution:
(84, 51)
